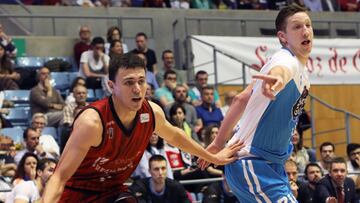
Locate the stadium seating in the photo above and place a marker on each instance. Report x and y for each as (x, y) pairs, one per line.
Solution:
(19, 97)
(18, 116)
(15, 133)
(61, 80)
(29, 62)
(50, 131)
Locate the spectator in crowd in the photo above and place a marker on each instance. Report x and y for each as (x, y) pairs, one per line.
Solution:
(207, 112)
(306, 190)
(70, 112)
(114, 33)
(121, 3)
(47, 142)
(209, 134)
(353, 164)
(158, 188)
(180, 96)
(116, 48)
(168, 64)
(349, 5)
(292, 173)
(94, 64)
(201, 78)
(330, 5)
(84, 43)
(150, 95)
(327, 153)
(7, 43)
(155, 146)
(26, 169)
(229, 96)
(201, 4)
(155, 3)
(335, 186)
(164, 93)
(150, 76)
(31, 138)
(177, 118)
(8, 76)
(184, 4)
(7, 163)
(30, 191)
(141, 40)
(300, 153)
(44, 98)
(77, 81)
(219, 191)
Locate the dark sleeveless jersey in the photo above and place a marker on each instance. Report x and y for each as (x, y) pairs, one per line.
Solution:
(109, 165)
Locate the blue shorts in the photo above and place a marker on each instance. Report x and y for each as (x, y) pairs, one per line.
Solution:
(257, 180)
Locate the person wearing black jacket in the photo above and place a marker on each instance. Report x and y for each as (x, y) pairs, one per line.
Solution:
(335, 186)
(158, 188)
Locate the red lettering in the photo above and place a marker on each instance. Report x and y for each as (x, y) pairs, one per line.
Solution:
(262, 61)
(342, 64)
(318, 65)
(310, 65)
(356, 59)
(333, 61)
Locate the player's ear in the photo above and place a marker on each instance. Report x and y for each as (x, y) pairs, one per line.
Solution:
(282, 38)
(111, 84)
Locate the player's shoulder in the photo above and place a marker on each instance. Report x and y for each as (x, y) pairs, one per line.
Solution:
(283, 54)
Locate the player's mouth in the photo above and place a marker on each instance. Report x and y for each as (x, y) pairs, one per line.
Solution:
(306, 42)
(136, 99)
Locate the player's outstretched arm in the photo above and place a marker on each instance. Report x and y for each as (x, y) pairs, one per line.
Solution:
(178, 138)
(87, 133)
(274, 81)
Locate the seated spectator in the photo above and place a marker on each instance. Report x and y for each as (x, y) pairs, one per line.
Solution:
(149, 94)
(8, 151)
(335, 186)
(94, 64)
(210, 132)
(301, 156)
(155, 146)
(168, 64)
(142, 47)
(8, 76)
(180, 96)
(121, 3)
(292, 174)
(229, 96)
(207, 112)
(31, 191)
(26, 169)
(158, 188)
(154, 4)
(219, 191)
(47, 142)
(44, 98)
(6, 42)
(349, 5)
(327, 153)
(201, 79)
(116, 48)
(83, 45)
(184, 4)
(31, 138)
(150, 76)
(164, 94)
(114, 33)
(306, 190)
(201, 4)
(353, 164)
(77, 81)
(177, 118)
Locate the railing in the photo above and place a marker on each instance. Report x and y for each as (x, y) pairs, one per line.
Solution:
(53, 19)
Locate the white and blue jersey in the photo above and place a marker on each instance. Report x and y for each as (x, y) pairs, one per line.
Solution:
(266, 129)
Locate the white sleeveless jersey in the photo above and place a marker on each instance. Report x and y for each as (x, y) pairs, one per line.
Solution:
(267, 125)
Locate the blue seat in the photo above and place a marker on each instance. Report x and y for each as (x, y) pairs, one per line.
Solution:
(50, 131)
(72, 76)
(29, 62)
(19, 97)
(61, 80)
(15, 133)
(99, 93)
(18, 116)
(91, 95)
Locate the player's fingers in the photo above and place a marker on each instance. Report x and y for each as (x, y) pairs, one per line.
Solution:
(263, 77)
(276, 86)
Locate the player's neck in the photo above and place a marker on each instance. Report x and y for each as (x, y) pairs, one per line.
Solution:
(125, 115)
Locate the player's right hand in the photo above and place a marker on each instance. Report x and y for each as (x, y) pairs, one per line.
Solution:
(226, 155)
(212, 148)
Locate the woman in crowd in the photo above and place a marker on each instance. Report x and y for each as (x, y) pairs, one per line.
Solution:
(26, 169)
(114, 33)
(8, 76)
(300, 154)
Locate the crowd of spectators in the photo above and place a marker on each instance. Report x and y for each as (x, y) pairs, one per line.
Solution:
(312, 5)
(197, 109)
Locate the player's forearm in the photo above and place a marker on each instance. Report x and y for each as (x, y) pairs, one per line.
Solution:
(53, 190)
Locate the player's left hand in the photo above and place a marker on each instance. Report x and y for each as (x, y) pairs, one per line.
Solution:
(212, 148)
(271, 85)
(226, 155)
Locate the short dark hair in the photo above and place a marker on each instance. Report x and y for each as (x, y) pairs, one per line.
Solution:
(167, 51)
(337, 160)
(26, 131)
(44, 162)
(207, 87)
(284, 14)
(200, 72)
(141, 34)
(169, 72)
(312, 164)
(173, 110)
(326, 144)
(156, 157)
(97, 40)
(125, 61)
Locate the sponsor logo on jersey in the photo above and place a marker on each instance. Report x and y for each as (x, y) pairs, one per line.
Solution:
(300, 103)
(144, 118)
